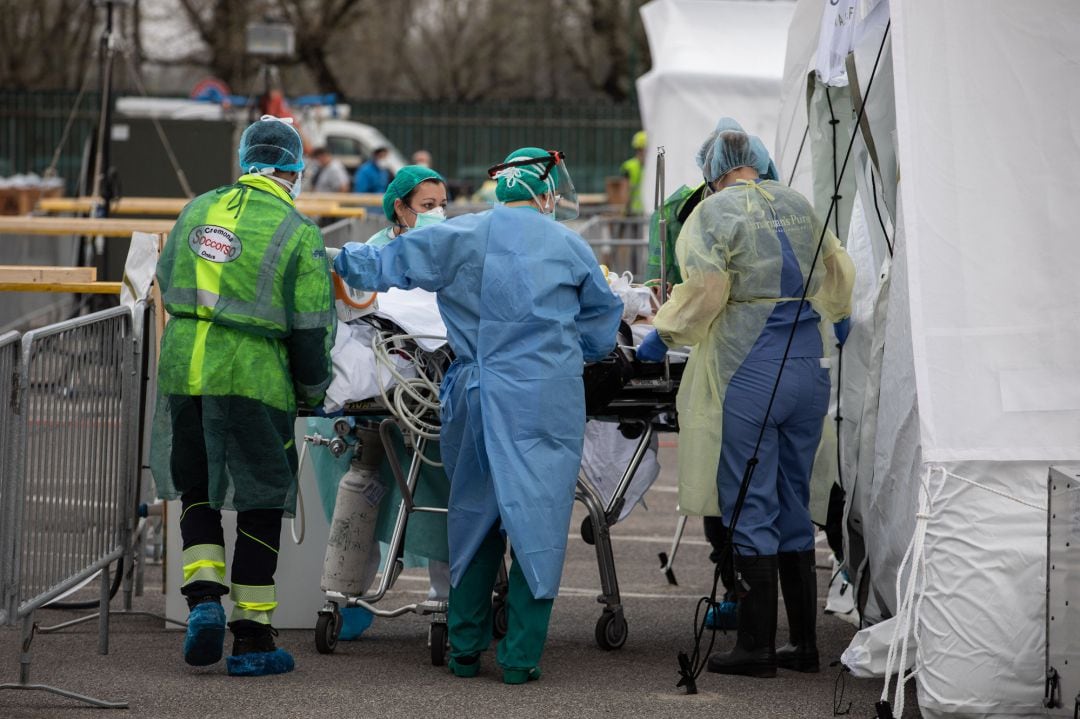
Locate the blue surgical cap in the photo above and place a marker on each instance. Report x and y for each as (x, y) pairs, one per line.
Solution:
(271, 142)
(729, 147)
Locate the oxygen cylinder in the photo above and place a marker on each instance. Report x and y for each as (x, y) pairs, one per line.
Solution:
(352, 531)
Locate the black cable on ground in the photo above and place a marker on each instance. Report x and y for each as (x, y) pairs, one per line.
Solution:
(118, 577)
(691, 666)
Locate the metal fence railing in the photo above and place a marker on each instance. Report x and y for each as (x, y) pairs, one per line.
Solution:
(621, 243)
(73, 463)
(9, 361)
(467, 138)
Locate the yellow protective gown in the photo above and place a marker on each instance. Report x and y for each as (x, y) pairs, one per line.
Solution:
(731, 259)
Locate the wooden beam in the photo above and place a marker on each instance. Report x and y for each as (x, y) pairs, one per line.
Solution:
(100, 288)
(172, 206)
(35, 275)
(108, 227)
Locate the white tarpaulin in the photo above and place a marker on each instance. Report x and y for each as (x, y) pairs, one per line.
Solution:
(710, 59)
(989, 154)
(966, 342)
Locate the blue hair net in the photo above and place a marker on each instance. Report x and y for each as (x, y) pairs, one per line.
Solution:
(729, 147)
(271, 142)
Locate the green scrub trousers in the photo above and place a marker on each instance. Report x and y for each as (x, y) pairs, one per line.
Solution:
(470, 612)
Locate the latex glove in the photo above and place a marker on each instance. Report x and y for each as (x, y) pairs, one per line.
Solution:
(652, 348)
(842, 328)
(332, 253)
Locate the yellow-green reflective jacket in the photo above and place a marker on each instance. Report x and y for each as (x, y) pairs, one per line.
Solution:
(246, 281)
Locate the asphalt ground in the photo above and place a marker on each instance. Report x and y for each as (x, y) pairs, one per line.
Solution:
(388, 672)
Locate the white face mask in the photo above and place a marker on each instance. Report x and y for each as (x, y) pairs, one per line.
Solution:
(293, 188)
(431, 217)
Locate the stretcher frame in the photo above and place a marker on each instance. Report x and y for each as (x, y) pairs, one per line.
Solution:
(329, 621)
(641, 402)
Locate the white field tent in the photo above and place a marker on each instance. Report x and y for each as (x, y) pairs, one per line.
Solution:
(961, 376)
(710, 59)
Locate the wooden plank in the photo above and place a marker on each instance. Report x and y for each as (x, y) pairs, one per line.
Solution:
(37, 275)
(100, 288)
(108, 227)
(347, 199)
(172, 206)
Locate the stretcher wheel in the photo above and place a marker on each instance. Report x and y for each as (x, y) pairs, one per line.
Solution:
(587, 531)
(440, 643)
(611, 630)
(499, 620)
(326, 632)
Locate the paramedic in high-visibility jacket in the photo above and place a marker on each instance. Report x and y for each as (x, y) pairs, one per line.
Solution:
(245, 280)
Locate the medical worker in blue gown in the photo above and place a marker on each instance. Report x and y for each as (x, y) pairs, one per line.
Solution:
(745, 254)
(525, 305)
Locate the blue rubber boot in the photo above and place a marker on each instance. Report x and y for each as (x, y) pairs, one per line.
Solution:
(254, 653)
(722, 615)
(205, 639)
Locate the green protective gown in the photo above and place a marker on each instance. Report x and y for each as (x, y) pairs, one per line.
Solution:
(676, 208)
(425, 536)
(246, 283)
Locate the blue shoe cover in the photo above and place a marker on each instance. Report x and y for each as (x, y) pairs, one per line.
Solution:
(354, 620)
(724, 615)
(205, 634)
(258, 664)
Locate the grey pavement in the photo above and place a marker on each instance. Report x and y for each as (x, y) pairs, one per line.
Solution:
(387, 673)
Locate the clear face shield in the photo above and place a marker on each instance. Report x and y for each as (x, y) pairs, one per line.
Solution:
(561, 199)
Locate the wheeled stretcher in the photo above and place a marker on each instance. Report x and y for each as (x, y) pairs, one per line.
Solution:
(641, 399)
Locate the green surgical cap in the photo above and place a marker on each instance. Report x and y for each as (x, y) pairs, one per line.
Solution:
(406, 179)
(516, 187)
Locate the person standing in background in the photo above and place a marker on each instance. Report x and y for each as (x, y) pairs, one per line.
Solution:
(330, 174)
(374, 175)
(421, 158)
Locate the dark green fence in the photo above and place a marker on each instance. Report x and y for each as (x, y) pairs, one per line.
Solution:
(466, 139)
(32, 125)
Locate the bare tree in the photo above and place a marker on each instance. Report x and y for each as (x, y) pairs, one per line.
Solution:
(458, 50)
(599, 37)
(220, 25)
(317, 23)
(46, 43)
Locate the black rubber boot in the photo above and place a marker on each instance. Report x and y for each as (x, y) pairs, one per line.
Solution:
(754, 654)
(798, 582)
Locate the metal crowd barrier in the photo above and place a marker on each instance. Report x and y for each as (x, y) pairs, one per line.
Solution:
(620, 242)
(71, 460)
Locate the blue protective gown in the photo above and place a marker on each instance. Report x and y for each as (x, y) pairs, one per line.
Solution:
(525, 305)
